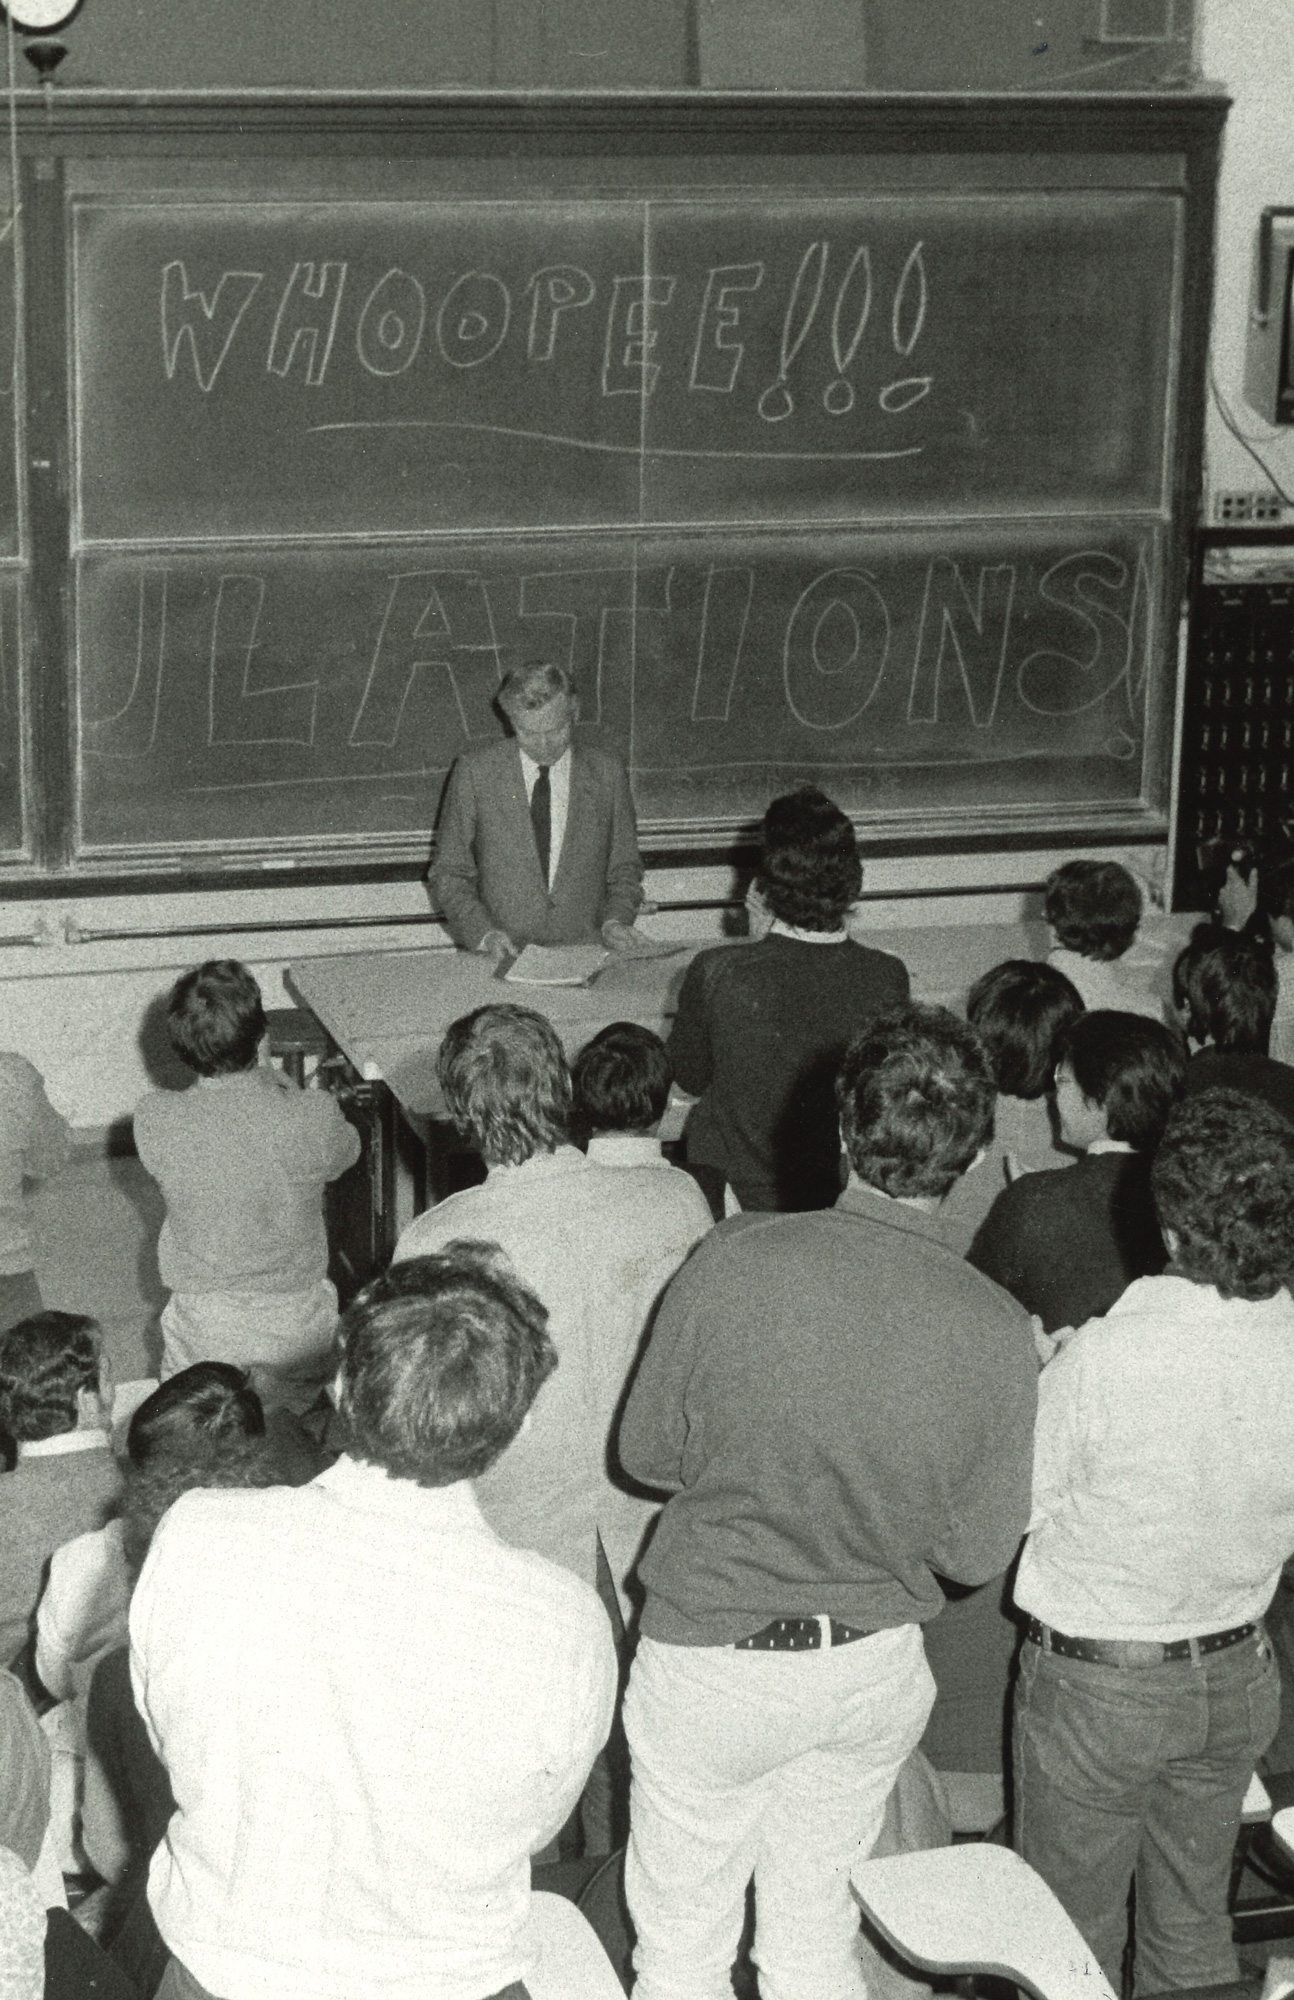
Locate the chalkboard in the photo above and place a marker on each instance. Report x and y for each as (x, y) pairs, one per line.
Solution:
(846, 444)
(287, 695)
(330, 369)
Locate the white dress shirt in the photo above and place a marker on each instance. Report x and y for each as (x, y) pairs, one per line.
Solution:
(559, 778)
(371, 1713)
(1163, 1483)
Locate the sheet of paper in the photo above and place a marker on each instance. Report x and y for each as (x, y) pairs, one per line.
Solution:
(642, 946)
(557, 964)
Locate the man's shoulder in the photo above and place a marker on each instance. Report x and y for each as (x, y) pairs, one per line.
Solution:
(597, 762)
(884, 964)
(75, 1482)
(453, 1217)
(654, 1192)
(483, 761)
(159, 1110)
(1039, 1196)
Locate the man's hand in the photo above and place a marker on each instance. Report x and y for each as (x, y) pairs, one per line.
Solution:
(1237, 899)
(497, 945)
(619, 937)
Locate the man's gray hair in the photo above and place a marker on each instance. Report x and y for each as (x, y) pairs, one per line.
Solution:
(534, 686)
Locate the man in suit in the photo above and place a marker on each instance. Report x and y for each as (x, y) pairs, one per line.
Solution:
(537, 842)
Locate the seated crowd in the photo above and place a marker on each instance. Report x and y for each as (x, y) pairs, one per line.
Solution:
(915, 1432)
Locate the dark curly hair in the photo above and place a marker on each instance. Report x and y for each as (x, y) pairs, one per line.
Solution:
(1223, 1182)
(150, 1489)
(915, 1096)
(621, 1079)
(441, 1358)
(203, 1427)
(215, 1017)
(809, 872)
(1019, 1010)
(1132, 1067)
(1094, 907)
(1224, 987)
(45, 1362)
(506, 1085)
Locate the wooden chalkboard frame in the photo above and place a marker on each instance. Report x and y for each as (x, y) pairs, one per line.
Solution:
(55, 132)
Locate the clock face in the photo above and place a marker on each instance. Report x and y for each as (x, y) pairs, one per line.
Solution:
(40, 17)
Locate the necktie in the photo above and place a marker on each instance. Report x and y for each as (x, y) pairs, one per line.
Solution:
(541, 818)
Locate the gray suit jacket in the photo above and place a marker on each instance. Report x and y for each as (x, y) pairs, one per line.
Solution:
(486, 876)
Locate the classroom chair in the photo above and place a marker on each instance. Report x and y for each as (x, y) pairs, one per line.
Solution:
(979, 1909)
(570, 1964)
(1263, 1854)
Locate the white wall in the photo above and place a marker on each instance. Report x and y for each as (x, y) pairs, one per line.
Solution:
(1248, 46)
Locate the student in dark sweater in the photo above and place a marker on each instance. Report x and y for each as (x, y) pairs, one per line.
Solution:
(843, 1411)
(761, 1028)
(1068, 1244)
(1224, 990)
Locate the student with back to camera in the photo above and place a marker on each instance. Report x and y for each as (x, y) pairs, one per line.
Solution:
(1068, 1244)
(35, 1141)
(761, 1028)
(1019, 1010)
(1093, 909)
(1163, 1510)
(243, 1159)
(1225, 994)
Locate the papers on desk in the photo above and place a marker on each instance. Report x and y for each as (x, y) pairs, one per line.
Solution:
(557, 965)
(641, 946)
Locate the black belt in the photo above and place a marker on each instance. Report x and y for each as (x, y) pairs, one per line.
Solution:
(1134, 1652)
(800, 1635)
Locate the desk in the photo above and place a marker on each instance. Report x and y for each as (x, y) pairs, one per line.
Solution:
(389, 1010)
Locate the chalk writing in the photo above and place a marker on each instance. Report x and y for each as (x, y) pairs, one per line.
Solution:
(838, 396)
(777, 402)
(975, 633)
(306, 321)
(390, 327)
(837, 644)
(761, 660)
(717, 356)
(558, 289)
(237, 710)
(210, 332)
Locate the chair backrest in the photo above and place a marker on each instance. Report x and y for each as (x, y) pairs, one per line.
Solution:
(570, 1964)
(979, 1908)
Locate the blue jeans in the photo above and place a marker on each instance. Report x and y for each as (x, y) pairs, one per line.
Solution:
(1124, 1772)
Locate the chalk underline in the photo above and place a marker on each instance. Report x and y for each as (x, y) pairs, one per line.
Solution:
(615, 450)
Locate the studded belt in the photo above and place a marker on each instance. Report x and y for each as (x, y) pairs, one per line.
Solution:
(1135, 1652)
(801, 1635)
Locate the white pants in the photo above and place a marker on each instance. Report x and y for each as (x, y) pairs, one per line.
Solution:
(286, 1339)
(771, 1764)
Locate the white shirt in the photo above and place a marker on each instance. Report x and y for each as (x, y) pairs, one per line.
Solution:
(598, 1244)
(559, 778)
(63, 1442)
(372, 1713)
(628, 1149)
(1105, 982)
(82, 1611)
(1282, 1042)
(778, 929)
(1163, 1483)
